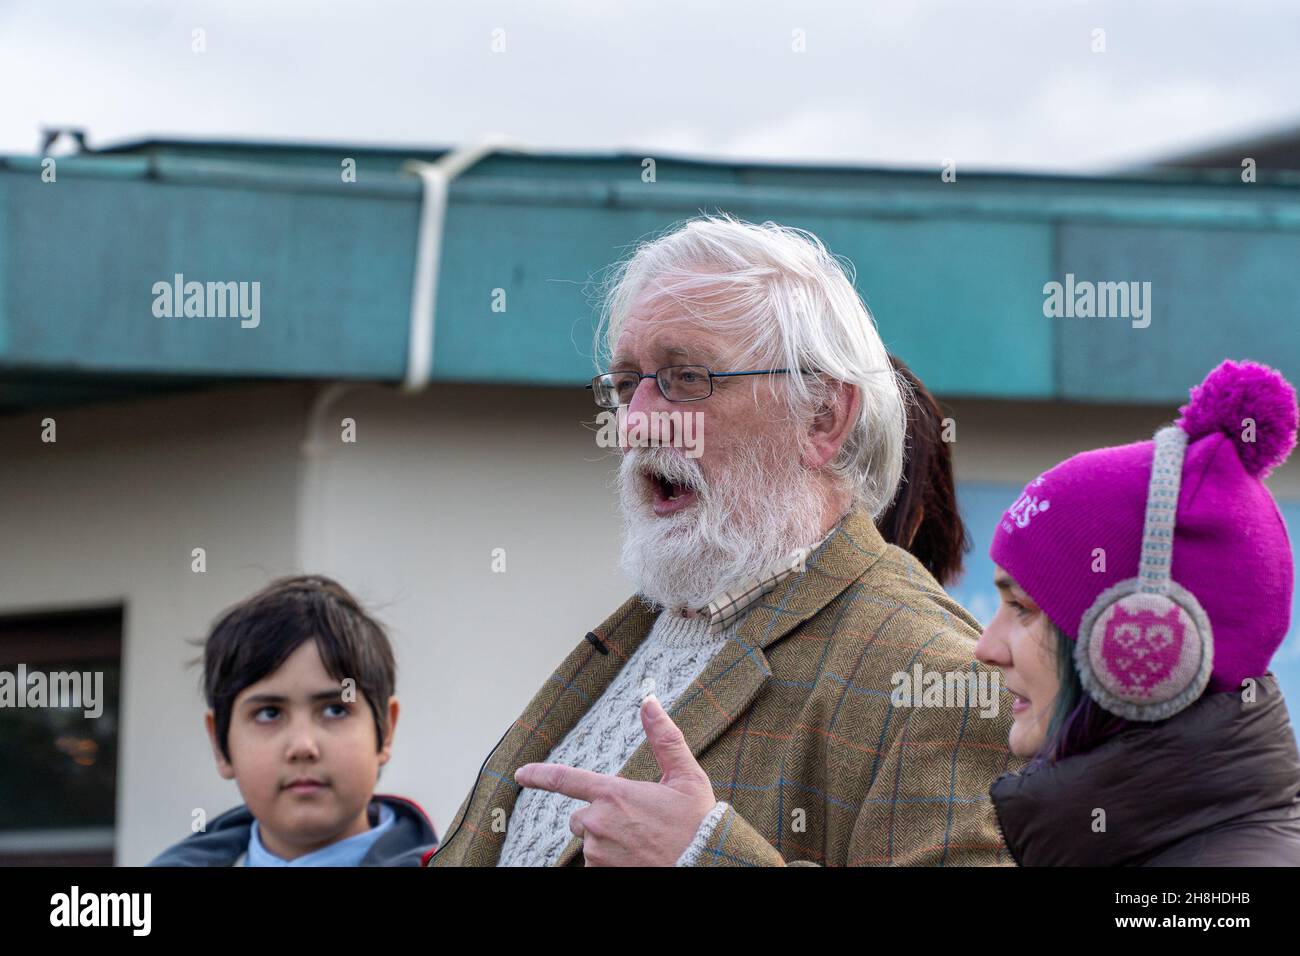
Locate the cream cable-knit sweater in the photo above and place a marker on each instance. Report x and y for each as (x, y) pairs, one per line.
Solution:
(674, 653)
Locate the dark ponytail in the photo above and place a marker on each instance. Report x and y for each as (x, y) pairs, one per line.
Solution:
(923, 517)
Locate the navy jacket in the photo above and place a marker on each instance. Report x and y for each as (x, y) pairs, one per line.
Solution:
(410, 840)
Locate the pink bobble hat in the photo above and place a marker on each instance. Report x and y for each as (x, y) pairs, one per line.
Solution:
(1166, 561)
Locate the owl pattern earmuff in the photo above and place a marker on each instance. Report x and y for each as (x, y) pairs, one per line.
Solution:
(1145, 647)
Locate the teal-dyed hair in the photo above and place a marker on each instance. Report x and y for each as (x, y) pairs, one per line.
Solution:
(1078, 722)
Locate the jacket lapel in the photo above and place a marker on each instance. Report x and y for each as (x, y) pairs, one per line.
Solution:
(554, 710)
(844, 558)
(739, 671)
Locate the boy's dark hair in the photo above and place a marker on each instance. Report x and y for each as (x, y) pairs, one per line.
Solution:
(923, 517)
(254, 637)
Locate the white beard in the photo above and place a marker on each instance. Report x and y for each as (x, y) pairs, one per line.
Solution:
(752, 516)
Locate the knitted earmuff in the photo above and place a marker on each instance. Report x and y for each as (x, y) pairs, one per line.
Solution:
(1145, 648)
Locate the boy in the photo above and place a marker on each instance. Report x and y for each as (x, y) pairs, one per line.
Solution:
(299, 685)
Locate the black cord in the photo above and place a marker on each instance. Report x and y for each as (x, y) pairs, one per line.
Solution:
(470, 802)
(600, 646)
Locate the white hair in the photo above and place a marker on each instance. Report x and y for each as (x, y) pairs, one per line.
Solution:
(783, 301)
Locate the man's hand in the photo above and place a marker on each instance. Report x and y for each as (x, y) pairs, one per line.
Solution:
(634, 822)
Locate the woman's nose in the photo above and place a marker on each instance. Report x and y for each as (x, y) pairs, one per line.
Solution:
(989, 649)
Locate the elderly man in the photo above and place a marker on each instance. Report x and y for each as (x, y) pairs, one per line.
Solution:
(743, 708)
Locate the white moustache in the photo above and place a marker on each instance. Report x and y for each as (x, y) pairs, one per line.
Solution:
(659, 462)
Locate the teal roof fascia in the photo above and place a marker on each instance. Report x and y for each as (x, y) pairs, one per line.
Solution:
(954, 272)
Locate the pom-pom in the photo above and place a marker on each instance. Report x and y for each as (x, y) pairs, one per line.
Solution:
(1250, 403)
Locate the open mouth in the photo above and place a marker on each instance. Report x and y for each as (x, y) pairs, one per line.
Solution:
(668, 496)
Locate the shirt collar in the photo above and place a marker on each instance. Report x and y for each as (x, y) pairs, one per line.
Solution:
(349, 852)
(725, 609)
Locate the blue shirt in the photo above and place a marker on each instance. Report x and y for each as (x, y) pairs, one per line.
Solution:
(349, 852)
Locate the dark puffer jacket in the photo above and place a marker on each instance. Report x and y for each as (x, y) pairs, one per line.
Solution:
(1215, 785)
(224, 842)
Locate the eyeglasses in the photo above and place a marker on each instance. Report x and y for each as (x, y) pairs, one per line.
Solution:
(677, 383)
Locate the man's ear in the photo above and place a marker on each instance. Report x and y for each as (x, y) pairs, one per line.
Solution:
(386, 751)
(224, 766)
(831, 424)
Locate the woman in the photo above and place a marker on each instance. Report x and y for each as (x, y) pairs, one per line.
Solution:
(924, 518)
(1144, 590)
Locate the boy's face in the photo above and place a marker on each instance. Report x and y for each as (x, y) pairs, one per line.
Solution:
(303, 757)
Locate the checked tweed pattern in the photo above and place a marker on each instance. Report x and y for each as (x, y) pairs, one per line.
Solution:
(793, 723)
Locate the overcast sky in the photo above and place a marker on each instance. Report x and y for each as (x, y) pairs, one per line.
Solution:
(1011, 84)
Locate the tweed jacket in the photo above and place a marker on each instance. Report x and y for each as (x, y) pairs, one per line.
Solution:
(793, 722)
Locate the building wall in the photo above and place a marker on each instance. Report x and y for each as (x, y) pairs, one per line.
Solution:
(413, 513)
(408, 517)
(109, 514)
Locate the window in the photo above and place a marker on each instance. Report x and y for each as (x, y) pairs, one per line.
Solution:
(58, 766)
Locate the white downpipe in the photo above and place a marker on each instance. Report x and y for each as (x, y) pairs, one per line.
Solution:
(436, 177)
(320, 434)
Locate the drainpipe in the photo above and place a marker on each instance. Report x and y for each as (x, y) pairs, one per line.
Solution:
(436, 177)
(319, 433)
